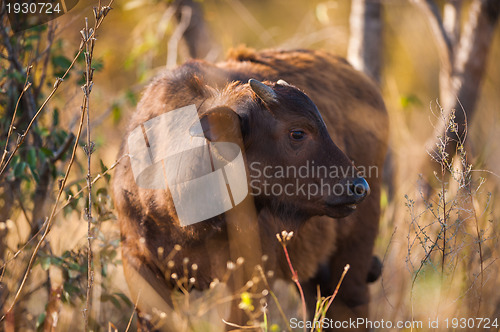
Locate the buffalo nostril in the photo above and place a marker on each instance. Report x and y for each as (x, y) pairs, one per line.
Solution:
(360, 187)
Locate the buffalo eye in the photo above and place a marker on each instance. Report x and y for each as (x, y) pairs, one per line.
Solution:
(297, 134)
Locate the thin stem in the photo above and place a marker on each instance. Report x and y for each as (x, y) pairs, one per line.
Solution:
(11, 127)
(49, 222)
(295, 279)
(443, 193)
(332, 297)
(88, 151)
(57, 83)
(102, 13)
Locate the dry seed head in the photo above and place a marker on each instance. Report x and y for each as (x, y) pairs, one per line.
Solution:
(160, 251)
(214, 283)
(270, 274)
(284, 237)
(230, 265)
(194, 267)
(174, 276)
(177, 247)
(158, 313)
(186, 260)
(192, 280)
(170, 264)
(265, 258)
(142, 240)
(105, 10)
(249, 283)
(240, 261)
(265, 292)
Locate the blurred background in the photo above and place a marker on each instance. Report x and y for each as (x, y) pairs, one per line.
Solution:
(139, 38)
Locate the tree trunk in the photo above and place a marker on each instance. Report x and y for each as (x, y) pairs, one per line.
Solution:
(463, 62)
(365, 42)
(197, 34)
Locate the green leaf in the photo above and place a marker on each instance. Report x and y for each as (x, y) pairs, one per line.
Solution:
(114, 300)
(70, 289)
(55, 117)
(31, 158)
(32, 37)
(39, 28)
(61, 61)
(275, 328)
(125, 299)
(32, 163)
(47, 152)
(60, 137)
(57, 261)
(45, 262)
(116, 113)
(40, 321)
(131, 97)
(42, 131)
(66, 297)
(19, 169)
(35, 174)
(81, 58)
(97, 64)
(17, 76)
(102, 191)
(104, 270)
(410, 100)
(61, 64)
(75, 267)
(72, 274)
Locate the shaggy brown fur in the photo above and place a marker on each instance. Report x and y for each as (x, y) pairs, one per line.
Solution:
(356, 121)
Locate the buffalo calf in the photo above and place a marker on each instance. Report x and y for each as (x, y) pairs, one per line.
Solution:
(224, 156)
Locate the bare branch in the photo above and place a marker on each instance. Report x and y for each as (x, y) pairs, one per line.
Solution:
(173, 43)
(102, 13)
(451, 21)
(365, 42)
(463, 86)
(89, 149)
(49, 224)
(445, 46)
(57, 83)
(197, 34)
(251, 21)
(17, 65)
(46, 54)
(68, 201)
(11, 126)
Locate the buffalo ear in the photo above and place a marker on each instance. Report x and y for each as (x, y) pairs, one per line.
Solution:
(219, 124)
(264, 92)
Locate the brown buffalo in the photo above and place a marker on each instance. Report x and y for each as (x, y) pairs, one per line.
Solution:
(313, 110)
